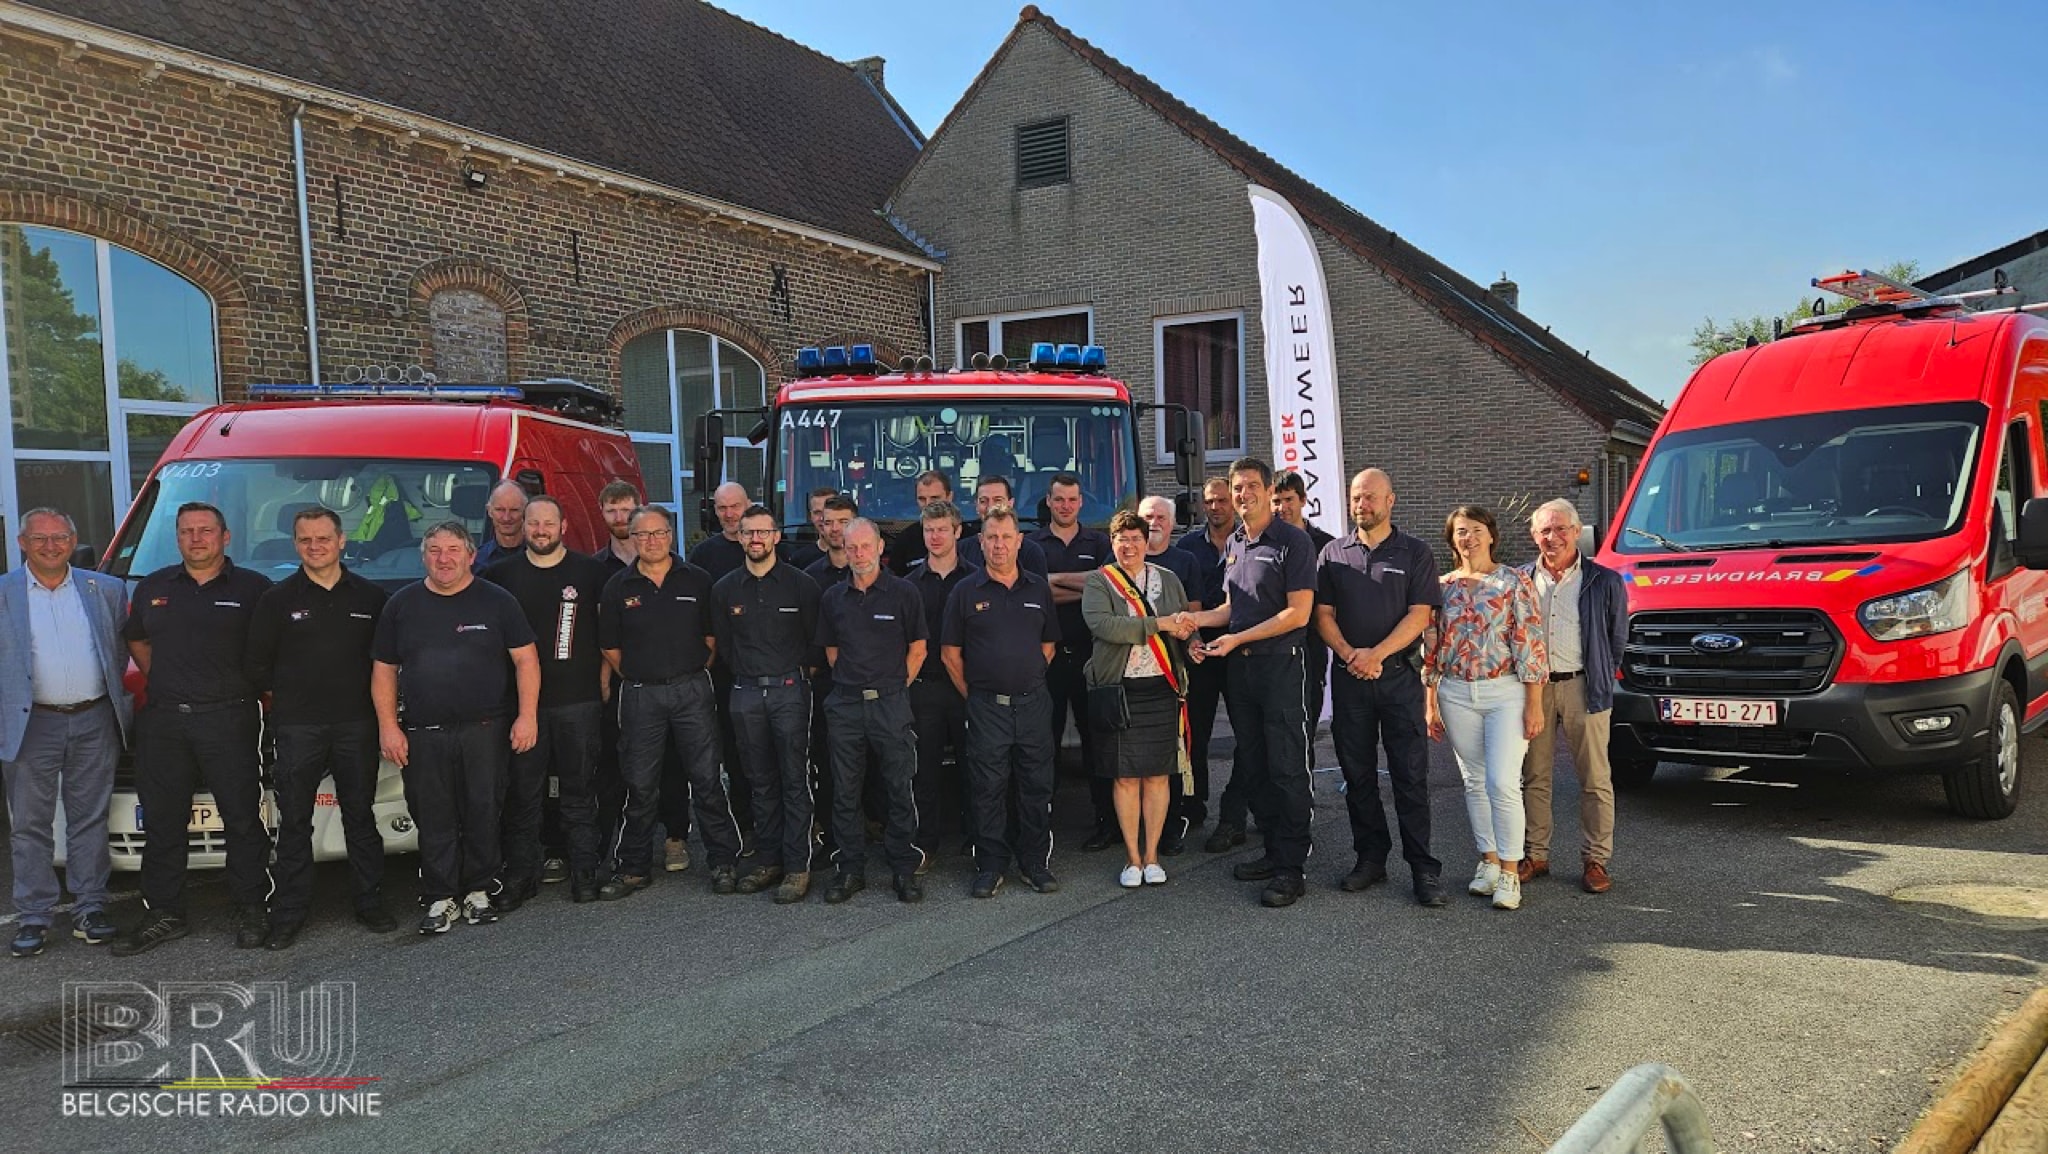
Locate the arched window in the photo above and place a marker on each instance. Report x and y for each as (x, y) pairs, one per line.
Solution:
(469, 336)
(104, 355)
(672, 377)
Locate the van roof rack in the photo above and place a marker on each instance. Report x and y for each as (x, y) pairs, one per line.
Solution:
(560, 394)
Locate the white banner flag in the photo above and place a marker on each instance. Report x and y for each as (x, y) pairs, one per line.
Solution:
(1301, 359)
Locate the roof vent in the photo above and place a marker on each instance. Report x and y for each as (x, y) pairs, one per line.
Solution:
(1042, 153)
(1506, 292)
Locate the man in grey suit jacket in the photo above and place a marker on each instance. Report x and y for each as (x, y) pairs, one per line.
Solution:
(63, 714)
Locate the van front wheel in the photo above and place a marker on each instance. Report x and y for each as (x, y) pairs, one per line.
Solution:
(1632, 773)
(1989, 787)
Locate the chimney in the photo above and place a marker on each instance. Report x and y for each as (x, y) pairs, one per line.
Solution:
(1506, 292)
(870, 67)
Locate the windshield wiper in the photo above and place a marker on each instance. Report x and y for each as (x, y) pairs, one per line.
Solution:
(1667, 542)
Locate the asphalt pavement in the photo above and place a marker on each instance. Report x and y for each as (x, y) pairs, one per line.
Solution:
(1757, 939)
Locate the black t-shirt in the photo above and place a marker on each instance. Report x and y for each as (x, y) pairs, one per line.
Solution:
(560, 604)
(452, 651)
(717, 555)
(873, 629)
(310, 647)
(1181, 564)
(659, 630)
(198, 634)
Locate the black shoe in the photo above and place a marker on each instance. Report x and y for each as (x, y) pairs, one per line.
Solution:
(1429, 891)
(376, 919)
(583, 888)
(282, 936)
(1103, 837)
(986, 885)
(151, 934)
(724, 880)
(757, 879)
(1284, 890)
(843, 887)
(1225, 838)
(94, 929)
(622, 886)
(909, 890)
(252, 929)
(515, 894)
(1173, 840)
(30, 941)
(1043, 882)
(554, 870)
(1254, 871)
(1365, 876)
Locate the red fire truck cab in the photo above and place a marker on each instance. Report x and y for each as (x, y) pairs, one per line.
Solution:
(1836, 557)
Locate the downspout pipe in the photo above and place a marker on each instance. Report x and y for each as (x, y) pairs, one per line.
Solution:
(305, 241)
(931, 314)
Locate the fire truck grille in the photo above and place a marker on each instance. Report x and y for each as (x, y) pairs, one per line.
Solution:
(1770, 651)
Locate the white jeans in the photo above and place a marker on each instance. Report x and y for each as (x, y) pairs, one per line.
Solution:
(1484, 721)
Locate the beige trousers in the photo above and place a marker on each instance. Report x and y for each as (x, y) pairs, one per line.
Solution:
(1564, 707)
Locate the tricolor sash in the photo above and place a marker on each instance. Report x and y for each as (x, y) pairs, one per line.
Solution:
(1141, 606)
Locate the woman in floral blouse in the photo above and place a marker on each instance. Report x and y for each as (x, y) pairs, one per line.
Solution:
(1484, 668)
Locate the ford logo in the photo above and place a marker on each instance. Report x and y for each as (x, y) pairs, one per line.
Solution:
(1717, 642)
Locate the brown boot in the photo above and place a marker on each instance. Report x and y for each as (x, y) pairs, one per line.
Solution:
(794, 888)
(1533, 867)
(1596, 880)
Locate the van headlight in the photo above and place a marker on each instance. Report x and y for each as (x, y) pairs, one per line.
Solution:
(1937, 608)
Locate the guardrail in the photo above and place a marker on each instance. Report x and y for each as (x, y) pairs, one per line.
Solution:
(1646, 1096)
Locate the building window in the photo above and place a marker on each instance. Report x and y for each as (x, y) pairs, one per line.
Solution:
(1200, 364)
(469, 336)
(1013, 334)
(104, 355)
(669, 379)
(1042, 153)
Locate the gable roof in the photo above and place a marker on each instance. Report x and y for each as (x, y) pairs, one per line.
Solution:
(675, 92)
(1979, 265)
(1599, 393)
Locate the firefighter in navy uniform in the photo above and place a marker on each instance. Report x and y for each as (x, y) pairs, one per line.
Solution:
(188, 631)
(558, 590)
(765, 614)
(1072, 552)
(936, 703)
(309, 646)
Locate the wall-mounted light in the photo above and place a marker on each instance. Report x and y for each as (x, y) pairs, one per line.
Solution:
(474, 178)
(1583, 477)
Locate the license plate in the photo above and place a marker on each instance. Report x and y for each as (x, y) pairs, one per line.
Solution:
(205, 819)
(1716, 711)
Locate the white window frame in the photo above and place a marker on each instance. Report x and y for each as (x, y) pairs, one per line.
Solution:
(1163, 452)
(119, 409)
(684, 469)
(995, 327)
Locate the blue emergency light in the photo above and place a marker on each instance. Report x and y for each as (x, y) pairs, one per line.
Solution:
(1045, 355)
(862, 355)
(1094, 358)
(413, 390)
(808, 360)
(835, 358)
(1070, 356)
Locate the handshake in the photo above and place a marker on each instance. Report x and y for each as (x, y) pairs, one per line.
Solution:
(1181, 625)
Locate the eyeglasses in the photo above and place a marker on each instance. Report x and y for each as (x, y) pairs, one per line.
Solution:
(39, 540)
(762, 533)
(651, 534)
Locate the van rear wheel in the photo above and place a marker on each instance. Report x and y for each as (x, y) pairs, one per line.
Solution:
(1989, 787)
(1632, 773)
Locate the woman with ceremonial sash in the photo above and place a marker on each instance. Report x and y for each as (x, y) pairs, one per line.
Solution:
(1142, 739)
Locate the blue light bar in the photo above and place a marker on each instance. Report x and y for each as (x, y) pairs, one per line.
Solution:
(1045, 355)
(808, 360)
(1094, 358)
(367, 392)
(1070, 356)
(835, 358)
(861, 354)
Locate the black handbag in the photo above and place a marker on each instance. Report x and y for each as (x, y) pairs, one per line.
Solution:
(1108, 711)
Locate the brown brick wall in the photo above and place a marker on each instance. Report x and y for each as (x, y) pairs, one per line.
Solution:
(199, 177)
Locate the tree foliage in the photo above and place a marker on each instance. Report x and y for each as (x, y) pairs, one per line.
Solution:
(1712, 337)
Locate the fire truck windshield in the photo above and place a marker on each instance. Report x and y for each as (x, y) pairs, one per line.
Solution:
(874, 453)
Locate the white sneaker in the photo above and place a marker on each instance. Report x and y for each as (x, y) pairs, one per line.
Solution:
(1131, 878)
(1154, 875)
(477, 909)
(1484, 881)
(1507, 893)
(439, 917)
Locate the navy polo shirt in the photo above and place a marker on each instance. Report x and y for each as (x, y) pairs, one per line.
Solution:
(659, 630)
(1030, 557)
(1001, 630)
(717, 555)
(1259, 574)
(1372, 589)
(933, 589)
(198, 634)
(1181, 564)
(873, 629)
(825, 573)
(1088, 552)
(765, 624)
(1208, 587)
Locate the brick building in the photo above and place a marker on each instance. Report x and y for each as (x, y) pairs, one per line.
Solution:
(2024, 263)
(652, 194)
(1073, 199)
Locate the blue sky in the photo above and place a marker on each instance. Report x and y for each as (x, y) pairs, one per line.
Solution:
(1635, 167)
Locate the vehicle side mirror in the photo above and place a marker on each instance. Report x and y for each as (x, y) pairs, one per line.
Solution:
(710, 452)
(85, 557)
(1187, 508)
(1589, 540)
(707, 516)
(531, 481)
(1189, 457)
(2032, 548)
